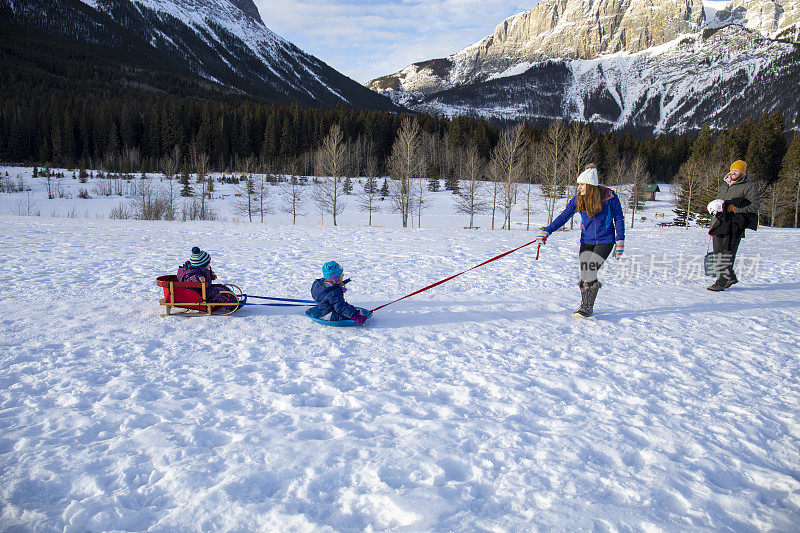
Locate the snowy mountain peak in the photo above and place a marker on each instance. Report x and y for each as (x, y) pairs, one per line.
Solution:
(618, 64)
(248, 8)
(223, 41)
(570, 29)
(240, 17)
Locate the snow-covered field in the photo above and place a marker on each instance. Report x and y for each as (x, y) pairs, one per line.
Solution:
(481, 405)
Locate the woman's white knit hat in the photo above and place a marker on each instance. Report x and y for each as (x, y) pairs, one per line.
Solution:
(589, 177)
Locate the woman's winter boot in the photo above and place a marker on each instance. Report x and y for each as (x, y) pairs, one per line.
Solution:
(584, 287)
(588, 296)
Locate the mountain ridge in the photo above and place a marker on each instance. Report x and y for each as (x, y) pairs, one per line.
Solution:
(479, 69)
(224, 42)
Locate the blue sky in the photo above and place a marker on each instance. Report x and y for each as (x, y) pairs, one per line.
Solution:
(366, 39)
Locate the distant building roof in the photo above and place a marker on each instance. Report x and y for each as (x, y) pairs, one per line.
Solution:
(652, 187)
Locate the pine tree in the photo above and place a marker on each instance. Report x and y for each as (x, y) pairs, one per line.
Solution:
(451, 183)
(186, 191)
(367, 201)
(766, 149)
(385, 188)
(789, 184)
(347, 188)
(702, 146)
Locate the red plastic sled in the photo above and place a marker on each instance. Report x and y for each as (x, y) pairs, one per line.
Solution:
(192, 296)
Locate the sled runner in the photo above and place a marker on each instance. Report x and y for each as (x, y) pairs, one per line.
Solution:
(313, 314)
(191, 296)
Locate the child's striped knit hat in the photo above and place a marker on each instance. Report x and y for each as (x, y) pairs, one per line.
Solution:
(199, 258)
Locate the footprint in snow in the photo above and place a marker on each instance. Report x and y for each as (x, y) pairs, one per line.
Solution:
(455, 470)
(254, 489)
(142, 421)
(208, 438)
(314, 434)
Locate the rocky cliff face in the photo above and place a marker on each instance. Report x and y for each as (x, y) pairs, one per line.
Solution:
(647, 64)
(586, 29)
(778, 19)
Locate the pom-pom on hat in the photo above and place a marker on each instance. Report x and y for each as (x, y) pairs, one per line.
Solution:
(589, 176)
(739, 165)
(199, 258)
(331, 269)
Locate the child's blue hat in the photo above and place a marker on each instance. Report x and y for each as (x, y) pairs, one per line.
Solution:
(199, 258)
(331, 269)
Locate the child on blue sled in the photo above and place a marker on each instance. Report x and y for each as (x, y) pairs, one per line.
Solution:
(328, 291)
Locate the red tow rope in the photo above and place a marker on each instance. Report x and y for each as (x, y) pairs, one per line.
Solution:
(456, 275)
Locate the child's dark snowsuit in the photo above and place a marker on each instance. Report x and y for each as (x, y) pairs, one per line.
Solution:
(214, 293)
(330, 301)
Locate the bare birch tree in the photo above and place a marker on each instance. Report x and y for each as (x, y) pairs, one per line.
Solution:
(507, 165)
(472, 168)
(580, 152)
(371, 192)
(169, 167)
(293, 196)
(404, 166)
(528, 176)
(639, 176)
(552, 162)
(429, 147)
(200, 163)
(690, 180)
(246, 204)
(330, 161)
(265, 177)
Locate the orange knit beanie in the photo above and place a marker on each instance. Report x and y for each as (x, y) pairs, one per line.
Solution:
(740, 165)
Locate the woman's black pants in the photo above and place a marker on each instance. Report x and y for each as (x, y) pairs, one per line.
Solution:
(592, 257)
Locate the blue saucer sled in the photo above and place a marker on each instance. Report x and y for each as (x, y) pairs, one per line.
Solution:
(313, 314)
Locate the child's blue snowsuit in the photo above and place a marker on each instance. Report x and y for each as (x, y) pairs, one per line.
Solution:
(330, 301)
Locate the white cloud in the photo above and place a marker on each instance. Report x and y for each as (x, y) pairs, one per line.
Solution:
(365, 39)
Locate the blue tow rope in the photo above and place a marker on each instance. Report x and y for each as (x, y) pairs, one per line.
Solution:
(287, 302)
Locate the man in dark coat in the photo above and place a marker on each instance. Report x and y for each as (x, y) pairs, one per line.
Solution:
(739, 211)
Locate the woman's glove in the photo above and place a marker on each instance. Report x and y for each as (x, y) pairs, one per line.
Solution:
(542, 238)
(619, 249)
(715, 206)
(359, 318)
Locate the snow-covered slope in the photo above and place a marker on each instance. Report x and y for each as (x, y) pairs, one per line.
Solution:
(224, 41)
(645, 53)
(481, 405)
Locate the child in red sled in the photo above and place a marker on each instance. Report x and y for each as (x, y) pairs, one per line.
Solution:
(328, 291)
(198, 270)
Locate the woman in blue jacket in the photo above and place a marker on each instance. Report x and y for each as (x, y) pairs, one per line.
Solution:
(603, 228)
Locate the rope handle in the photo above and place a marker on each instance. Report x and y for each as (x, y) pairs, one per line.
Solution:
(312, 302)
(454, 276)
